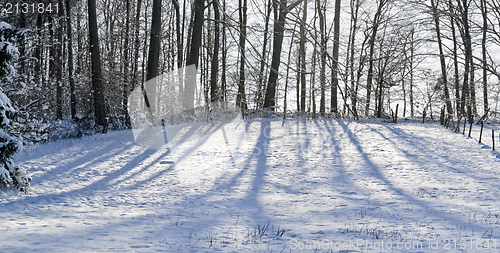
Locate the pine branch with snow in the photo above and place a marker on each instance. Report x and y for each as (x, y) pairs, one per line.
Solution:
(11, 175)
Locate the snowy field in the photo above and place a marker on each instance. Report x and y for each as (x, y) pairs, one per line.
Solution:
(325, 185)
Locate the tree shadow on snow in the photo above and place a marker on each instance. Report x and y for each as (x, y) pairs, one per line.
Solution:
(375, 171)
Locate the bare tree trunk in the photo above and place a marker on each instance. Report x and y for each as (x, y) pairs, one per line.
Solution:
(154, 42)
(180, 42)
(224, 55)
(484, 12)
(312, 97)
(375, 25)
(444, 75)
(335, 66)
(354, 25)
(279, 28)
(214, 90)
(190, 31)
(39, 48)
(241, 97)
(194, 52)
(323, 45)
(22, 48)
(70, 61)
(59, 57)
(288, 71)
(98, 91)
(412, 54)
(79, 41)
(263, 61)
(455, 61)
(302, 58)
(126, 60)
(464, 32)
(136, 45)
(472, 82)
(154, 52)
(404, 95)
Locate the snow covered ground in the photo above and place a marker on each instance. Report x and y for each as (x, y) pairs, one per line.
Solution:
(324, 185)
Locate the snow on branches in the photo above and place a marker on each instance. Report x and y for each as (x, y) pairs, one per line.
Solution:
(11, 176)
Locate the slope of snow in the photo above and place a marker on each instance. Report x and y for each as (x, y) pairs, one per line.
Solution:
(274, 186)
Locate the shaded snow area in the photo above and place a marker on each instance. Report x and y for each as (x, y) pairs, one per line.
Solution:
(325, 185)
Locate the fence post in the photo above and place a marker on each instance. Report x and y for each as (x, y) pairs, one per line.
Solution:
(481, 133)
(493, 136)
(441, 118)
(396, 118)
(470, 128)
(465, 126)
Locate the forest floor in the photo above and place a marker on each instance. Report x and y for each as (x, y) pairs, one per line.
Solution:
(295, 186)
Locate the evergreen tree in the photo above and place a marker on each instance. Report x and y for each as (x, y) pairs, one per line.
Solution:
(11, 176)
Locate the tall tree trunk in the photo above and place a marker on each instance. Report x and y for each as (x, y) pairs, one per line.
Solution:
(379, 95)
(302, 58)
(354, 25)
(312, 97)
(472, 82)
(240, 97)
(288, 71)
(335, 66)
(375, 25)
(79, 40)
(70, 61)
(22, 47)
(59, 56)
(154, 52)
(190, 31)
(484, 12)
(126, 60)
(279, 28)
(297, 79)
(412, 54)
(52, 58)
(39, 48)
(136, 45)
(224, 54)
(322, 76)
(194, 52)
(263, 61)
(463, 24)
(98, 91)
(444, 75)
(180, 43)
(455, 61)
(214, 90)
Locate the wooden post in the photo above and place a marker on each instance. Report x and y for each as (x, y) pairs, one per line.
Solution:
(465, 125)
(441, 118)
(481, 133)
(493, 136)
(470, 128)
(397, 107)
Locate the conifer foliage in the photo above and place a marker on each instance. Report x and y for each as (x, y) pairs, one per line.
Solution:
(11, 176)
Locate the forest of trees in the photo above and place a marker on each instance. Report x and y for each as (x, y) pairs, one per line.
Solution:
(346, 58)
